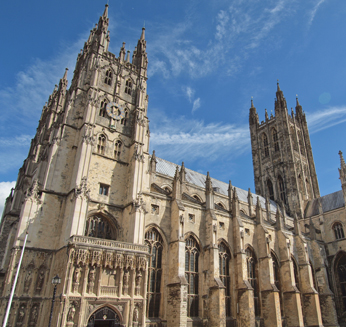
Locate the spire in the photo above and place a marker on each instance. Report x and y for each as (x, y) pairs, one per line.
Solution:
(299, 109)
(153, 162)
(182, 172)
(253, 116)
(208, 184)
(280, 101)
(128, 56)
(143, 34)
(105, 13)
(230, 195)
(141, 59)
(259, 217)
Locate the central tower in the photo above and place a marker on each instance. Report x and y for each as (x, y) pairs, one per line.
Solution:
(283, 164)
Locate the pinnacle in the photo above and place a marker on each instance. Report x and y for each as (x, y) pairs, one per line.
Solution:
(65, 74)
(105, 13)
(143, 34)
(342, 161)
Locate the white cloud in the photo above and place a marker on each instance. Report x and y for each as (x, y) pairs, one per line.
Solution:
(189, 92)
(326, 118)
(5, 188)
(178, 138)
(313, 12)
(196, 104)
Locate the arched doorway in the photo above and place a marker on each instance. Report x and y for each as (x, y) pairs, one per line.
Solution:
(104, 317)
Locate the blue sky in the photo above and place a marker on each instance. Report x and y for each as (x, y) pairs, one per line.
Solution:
(206, 60)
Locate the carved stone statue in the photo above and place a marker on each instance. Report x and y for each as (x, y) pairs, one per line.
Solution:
(135, 314)
(28, 280)
(138, 282)
(20, 315)
(91, 279)
(76, 278)
(33, 315)
(71, 313)
(126, 282)
(40, 280)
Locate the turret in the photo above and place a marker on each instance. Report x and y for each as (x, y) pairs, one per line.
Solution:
(140, 58)
(280, 101)
(253, 117)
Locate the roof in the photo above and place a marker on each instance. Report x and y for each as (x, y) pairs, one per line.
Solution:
(329, 202)
(193, 177)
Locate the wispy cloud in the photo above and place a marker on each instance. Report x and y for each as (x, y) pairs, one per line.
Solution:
(5, 188)
(327, 118)
(178, 138)
(313, 12)
(196, 104)
(190, 93)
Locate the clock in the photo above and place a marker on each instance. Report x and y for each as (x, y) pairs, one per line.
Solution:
(115, 111)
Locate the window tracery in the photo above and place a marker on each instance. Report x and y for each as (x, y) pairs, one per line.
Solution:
(101, 144)
(224, 259)
(191, 275)
(252, 277)
(102, 111)
(99, 227)
(154, 240)
(338, 231)
(282, 189)
(128, 87)
(265, 145)
(109, 76)
(117, 149)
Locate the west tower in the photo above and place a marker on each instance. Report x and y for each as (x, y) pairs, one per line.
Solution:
(284, 168)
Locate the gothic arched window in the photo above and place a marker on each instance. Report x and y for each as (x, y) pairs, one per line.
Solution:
(154, 240)
(275, 140)
(124, 120)
(265, 145)
(282, 189)
(117, 149)
(340, 279)
(128, 87)
(102, 111)
(100, 227)
(294, 139)
(338, 231)
(270, 189)
(252, 277)
(101, 144)
(224, 258)
(191, 275)
(108, 78)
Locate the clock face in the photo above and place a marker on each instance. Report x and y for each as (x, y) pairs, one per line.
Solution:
(115, 111)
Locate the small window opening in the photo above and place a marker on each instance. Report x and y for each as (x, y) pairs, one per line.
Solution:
(108, 78)
(101, 144)
(128, 87)
(104, 189)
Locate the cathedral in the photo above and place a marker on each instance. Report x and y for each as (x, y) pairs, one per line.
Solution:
(140, 241)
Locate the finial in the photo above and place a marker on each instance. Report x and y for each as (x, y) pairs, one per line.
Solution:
(105, 13)
(277, 83)
(266, 114)
(342, 161)
(128, 56)
(143, 34)
(252, 106)
(123, 45)
(65, 74)
(297, 100)
(153, 156)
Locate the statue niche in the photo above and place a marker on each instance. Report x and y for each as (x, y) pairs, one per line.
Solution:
(40, 279)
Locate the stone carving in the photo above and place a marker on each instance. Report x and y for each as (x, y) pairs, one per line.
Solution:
(40, 280)
(91, 279)
(135, 315)
(82, 190)
(119, 260)
(126, 280)
(34, 315)
(21, 314)
(33, 192)
(76, 278)
(28, 278)
(108, 260)
(81, 256)
(96, 258)
(129, 262)
(138, 282)
(141, 263)
(71, 313)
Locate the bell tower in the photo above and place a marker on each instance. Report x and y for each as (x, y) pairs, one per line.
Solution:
(283, 163)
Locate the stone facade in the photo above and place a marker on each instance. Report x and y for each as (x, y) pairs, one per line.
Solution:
(140, 241)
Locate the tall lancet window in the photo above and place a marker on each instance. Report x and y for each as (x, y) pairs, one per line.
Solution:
(224, 258)
(128, 87)
(270, 189)
(154, 240)
(282, 189)
(108, 77)
(338, 231)
(102, 111)
(276, 140)
(252, 277)
(191, 274)
(101, 144)
(117, 149)
(265, 145)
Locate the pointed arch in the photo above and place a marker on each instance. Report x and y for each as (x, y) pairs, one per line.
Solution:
(192, 253)
(118, 145)
(101, 225)
(270, 189)
(252, 275)
(282, 191)
(108, 310)
(224, 273)
(154, 241)
(102, 111)
(338, 230)
(197, 198)
(108, 77)
(101, 143)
